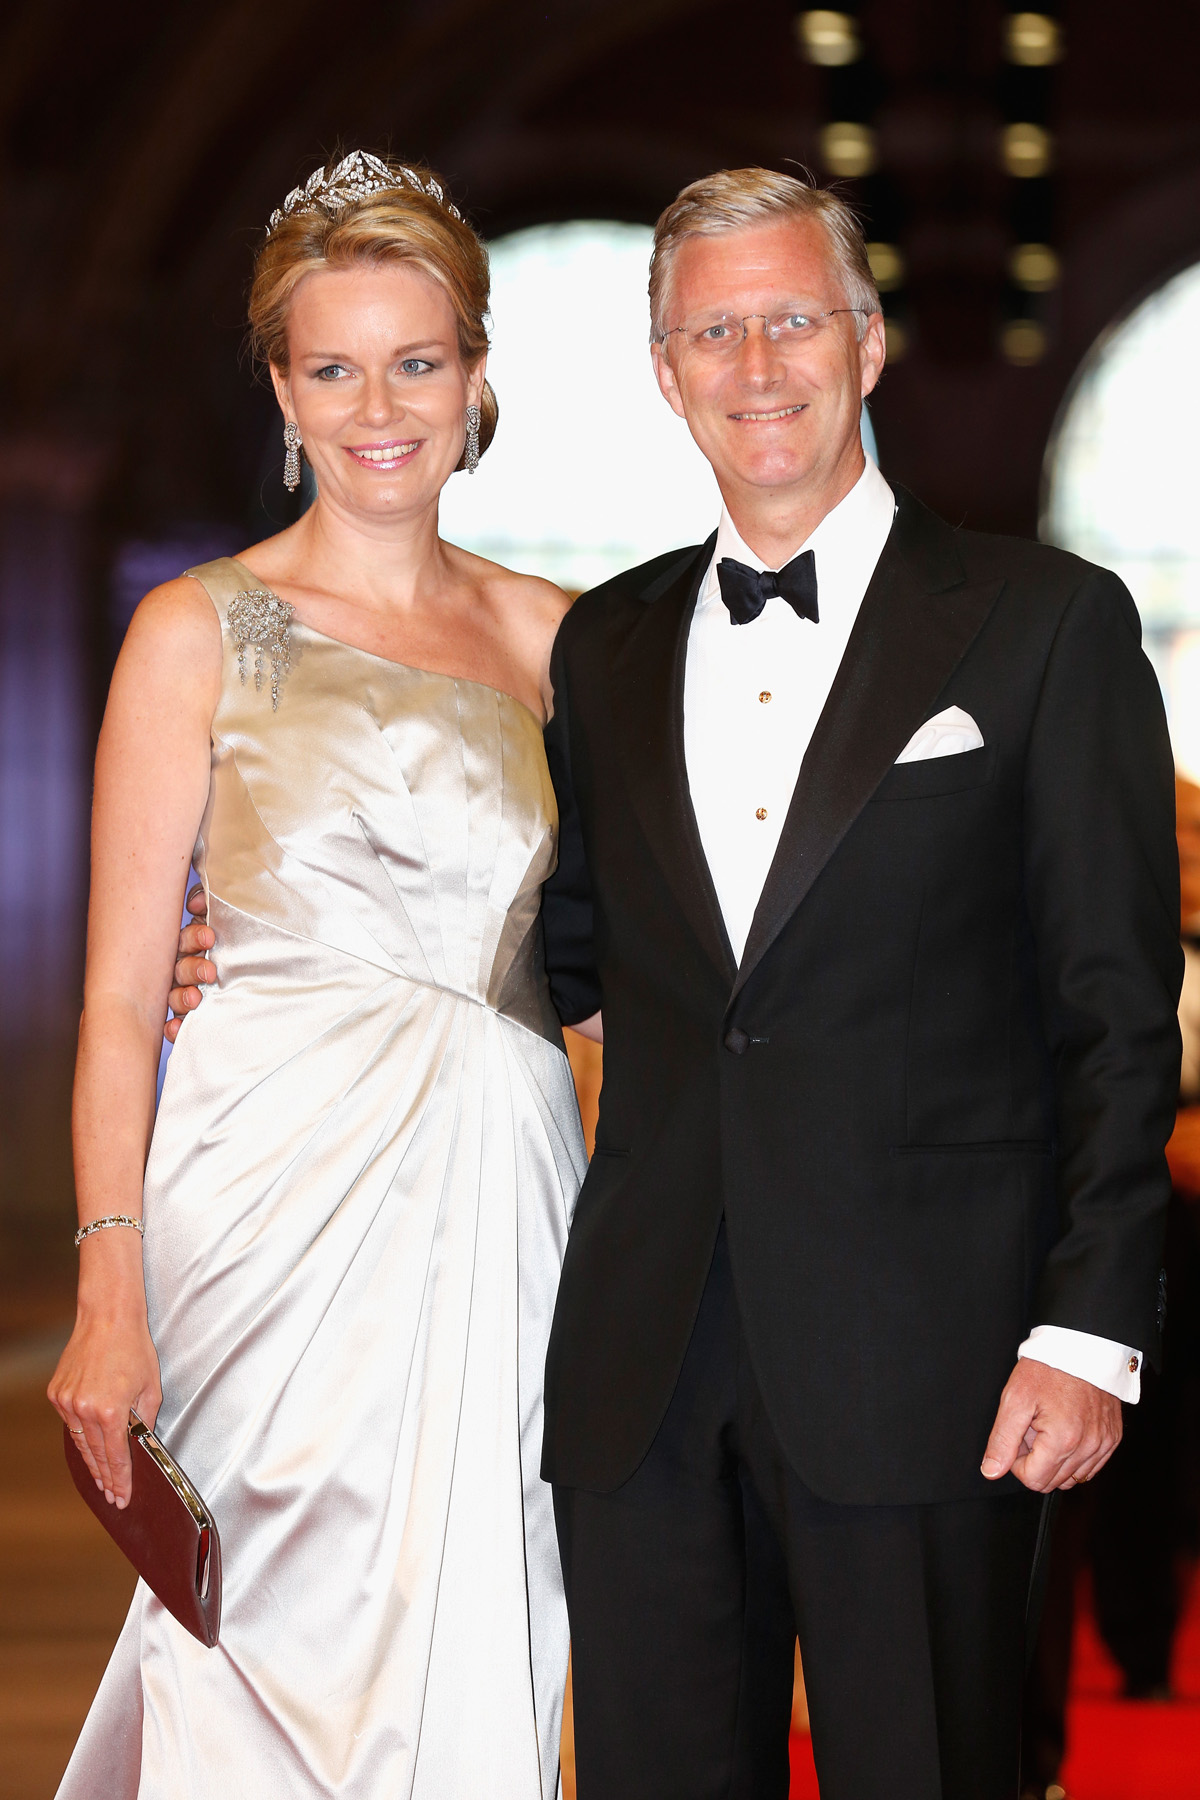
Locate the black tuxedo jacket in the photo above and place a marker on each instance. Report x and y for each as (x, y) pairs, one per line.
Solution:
(932, 1102)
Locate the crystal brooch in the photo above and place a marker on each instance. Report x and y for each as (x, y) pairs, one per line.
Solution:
(259, 620)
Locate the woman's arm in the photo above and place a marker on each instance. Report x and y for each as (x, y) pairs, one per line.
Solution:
(152, 773)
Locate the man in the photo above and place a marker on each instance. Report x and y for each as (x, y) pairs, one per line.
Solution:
(870, 868)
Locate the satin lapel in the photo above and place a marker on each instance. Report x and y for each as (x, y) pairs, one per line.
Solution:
(917, 620)
(646, 684)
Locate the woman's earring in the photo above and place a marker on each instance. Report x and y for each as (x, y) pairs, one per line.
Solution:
(472, 449)
(291, 462)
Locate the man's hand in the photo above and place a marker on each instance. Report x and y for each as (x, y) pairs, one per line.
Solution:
(1183, 1151)
(1052, 1430)
(192, 968)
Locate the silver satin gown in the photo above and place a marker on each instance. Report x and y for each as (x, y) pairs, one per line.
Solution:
(356, 1206)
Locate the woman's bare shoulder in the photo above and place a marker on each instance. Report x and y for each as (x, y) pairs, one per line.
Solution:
(179, 607)
(528, 599)
(174, 635)
(536, 598)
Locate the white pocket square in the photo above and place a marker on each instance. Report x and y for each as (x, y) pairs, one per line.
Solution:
(948, 733)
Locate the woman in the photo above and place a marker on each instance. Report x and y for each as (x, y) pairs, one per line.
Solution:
(361, 1174)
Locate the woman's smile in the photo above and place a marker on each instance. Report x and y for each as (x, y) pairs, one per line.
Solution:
(383, 456)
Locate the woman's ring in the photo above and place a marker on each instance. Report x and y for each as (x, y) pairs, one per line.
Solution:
(76, 1430)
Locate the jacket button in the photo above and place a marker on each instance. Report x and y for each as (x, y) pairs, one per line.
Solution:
(737, 1041)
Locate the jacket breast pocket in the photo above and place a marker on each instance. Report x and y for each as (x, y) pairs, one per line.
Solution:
(938, 775)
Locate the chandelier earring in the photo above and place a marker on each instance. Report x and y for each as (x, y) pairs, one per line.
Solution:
(471, 453)
(291, 462)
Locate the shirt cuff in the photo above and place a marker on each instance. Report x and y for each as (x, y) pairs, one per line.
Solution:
(1114, 1367)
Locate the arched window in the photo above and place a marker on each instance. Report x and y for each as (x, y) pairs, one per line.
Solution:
(591, 471)
(1122, 484)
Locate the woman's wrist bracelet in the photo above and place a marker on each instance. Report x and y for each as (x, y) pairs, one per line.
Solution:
(103, 1225)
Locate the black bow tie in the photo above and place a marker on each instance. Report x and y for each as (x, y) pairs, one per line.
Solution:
(745, 592)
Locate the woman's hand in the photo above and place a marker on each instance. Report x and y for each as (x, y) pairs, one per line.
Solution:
(109, 1366)
(105, 1371)
(193, 970)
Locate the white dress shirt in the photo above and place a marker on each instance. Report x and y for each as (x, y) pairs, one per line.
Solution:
(751, 700)
(753, 693)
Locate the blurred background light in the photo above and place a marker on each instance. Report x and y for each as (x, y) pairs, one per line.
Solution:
(829, 39)
(848, 149)
(1026, 150)
(887, 266)
(895, 337)
(1033, 40)
(1034, 267)
(1022, 342)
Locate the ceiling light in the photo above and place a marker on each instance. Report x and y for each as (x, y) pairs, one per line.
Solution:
(895, 339)
(1022, 342)
(1026, 150)
(1034, 267)
(848, 149)
(887, 266)
(1032, 39)
(829, 39)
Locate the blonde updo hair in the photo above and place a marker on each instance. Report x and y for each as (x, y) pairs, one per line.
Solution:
(395, 225)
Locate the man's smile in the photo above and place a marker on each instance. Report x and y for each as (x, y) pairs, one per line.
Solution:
(764, 418)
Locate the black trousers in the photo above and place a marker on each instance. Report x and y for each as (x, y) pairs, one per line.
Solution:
(688, 1585)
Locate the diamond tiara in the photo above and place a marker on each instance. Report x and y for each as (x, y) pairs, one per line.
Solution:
(356, 176)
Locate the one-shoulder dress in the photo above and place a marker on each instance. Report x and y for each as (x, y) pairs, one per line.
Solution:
(356, 1206)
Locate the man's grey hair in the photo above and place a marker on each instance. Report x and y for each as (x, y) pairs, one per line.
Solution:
(732, 199)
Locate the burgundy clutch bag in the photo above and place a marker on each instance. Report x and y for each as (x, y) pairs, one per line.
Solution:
(166, 1531)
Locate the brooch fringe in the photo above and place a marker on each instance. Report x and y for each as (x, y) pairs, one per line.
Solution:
(258, 620)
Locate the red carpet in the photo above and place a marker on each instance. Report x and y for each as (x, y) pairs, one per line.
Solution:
(1117, 1749)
